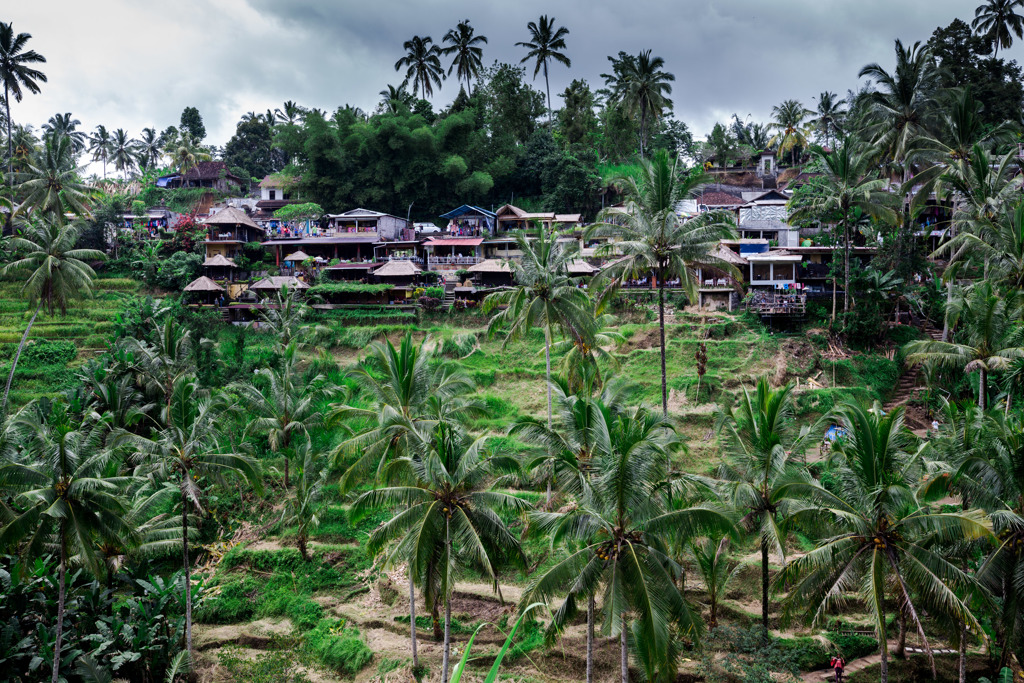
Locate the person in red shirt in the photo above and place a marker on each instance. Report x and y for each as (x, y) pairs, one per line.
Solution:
(838, 664)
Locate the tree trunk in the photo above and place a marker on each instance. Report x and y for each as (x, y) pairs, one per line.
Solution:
(901, 644)
(883, 644)
(832, 270)
(10, 149)
(590, 639)
(412, 620)
(286, 464)
(188, 578)
(17, 355)
(982, 389)
(963, 653)
(945, 317)
(661, 330)
(764, 585)
(447, 599)
(435, 619)
(302, 547)
(60, 607)
(547, 370)
(846, 266)
(547, 85)
(624, 652)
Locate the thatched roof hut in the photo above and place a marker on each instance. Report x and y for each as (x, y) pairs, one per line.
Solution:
(297, 256)
(219, 261)
(203, 284)
(398, 269)
(232, 217)
(578, 267)
(274, 283)
(491, 265)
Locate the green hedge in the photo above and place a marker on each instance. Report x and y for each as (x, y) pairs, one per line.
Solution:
(339, 647)
(349, 288)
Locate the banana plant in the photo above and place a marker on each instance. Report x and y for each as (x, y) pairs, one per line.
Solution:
(492, 676)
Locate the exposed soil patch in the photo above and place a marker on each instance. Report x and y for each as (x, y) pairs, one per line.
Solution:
(649, 338)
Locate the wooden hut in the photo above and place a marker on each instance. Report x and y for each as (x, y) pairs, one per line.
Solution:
(220, 267)
(231, 228)
(269, 285)
(492, 273)
(398, 273)
(203, 290)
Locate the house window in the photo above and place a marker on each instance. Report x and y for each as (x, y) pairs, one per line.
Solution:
(273, 194)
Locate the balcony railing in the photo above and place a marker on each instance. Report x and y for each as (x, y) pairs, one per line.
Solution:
(453, 260)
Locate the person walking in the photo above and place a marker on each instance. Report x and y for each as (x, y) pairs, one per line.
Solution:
(838, 664)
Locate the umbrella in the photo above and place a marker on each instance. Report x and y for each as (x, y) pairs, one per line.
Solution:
(297, 256)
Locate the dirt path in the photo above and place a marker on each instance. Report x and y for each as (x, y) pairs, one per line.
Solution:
(851, 667)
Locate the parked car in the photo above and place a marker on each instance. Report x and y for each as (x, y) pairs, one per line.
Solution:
(426, 228)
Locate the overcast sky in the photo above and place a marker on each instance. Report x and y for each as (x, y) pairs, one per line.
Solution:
(131, 63)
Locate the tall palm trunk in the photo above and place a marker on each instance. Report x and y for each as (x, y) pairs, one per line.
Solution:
(188, 577)
(412, 620)
(764, 584)
(10, 148)
(447, 599)
(17, 355)
(590, 639)
(963, 654)
(846, 265)
(884, 649)
(547, 369)
(60, 606)
(624, 652)
(983, 389)
(661, 330)
(547, 86)
(945, 316)
(901, 643)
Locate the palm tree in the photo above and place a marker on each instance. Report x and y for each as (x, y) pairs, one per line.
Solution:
(65, 498)
(150, 150)
(998, 22)
(544, 295)
(464, 45)
(285, 319)
(394, 99)
(123, 151)
(830, 117)
(790, 127)
(161, 362)
(580, 432)
(998, 244)
(641, 87)
(882, 539)
(303, 510)
(185, 153)
(581, 359)
(450, 518)
(849, 189)
(407, 391)
(654, 240)
(545, 45)
(990, 336)
(189, 450)
(290, 114)
(902, 106)
(711, 557)
(284, 406)
(61, 125)
(16, 74)
(423, 64)
(616, 534)
(55, 272)
(960, 128)
(99, 145)
(989, 476)
(760, 436)
(52, 185)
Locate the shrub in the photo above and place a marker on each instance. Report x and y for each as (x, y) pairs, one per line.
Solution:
(429, 302)
(349, 288)
(809, 654)
(233, 604)
(854, 645)
(338, 647)
(303, 612)
(45, 352)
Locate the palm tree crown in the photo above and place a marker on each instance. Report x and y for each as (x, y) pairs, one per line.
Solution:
(546, 44)
(17, 76)
(464, 45)
(790, 126)
(423, 64)
(998, 22)
(641, 86)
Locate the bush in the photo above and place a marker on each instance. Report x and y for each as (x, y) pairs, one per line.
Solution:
(853, 645)
(234, 603)
(348, 288)
(430, 303)
(809, 654)
(303, 612)
(338, 647)
(45, 352)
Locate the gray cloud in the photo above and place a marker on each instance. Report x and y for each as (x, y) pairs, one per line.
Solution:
(135, 64)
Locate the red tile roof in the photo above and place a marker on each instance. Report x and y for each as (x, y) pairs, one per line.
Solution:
(455, 242)
(715, 198)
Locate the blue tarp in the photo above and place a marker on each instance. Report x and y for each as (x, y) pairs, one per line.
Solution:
(164, 181)
(834, 433)
(755, 248)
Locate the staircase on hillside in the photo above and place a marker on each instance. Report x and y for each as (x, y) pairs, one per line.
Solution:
(449, 295)
(907, 386)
